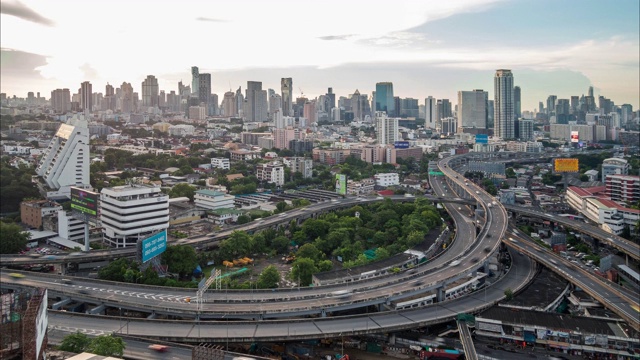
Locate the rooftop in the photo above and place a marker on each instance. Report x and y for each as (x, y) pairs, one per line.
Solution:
(210, 193)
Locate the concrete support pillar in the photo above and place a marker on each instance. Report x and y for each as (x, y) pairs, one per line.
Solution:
(323, 313)
(152, 316)
(97, 310)
(392, 339)
(440, 294)
(60, 304)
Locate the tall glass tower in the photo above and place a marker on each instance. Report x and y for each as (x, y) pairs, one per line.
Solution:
(384, 98)
(503, 105)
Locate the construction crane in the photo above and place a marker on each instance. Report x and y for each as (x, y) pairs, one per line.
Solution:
(301, 92)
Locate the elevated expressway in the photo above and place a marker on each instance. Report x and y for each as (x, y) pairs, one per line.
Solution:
(262, 304)
(612, 297)
(629, 248)
(471, 259)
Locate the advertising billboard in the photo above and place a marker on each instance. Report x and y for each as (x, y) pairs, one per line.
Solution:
(341, 184)
(42, 321)
(154, 245)
(575, 137)
(482, 139)
(565, 165)
(84, 201)
(401, 144)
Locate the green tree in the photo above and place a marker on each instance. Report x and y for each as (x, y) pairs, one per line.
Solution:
(324, 265)
(510, 173)
(269, 278)
(239, 243)
(181, 259)
(13, 238)
(182, 190)
(75, 343)
(107, 345)
(243, 219)
(280, 244)
(309, 251)
(303, 269)
(508, 294)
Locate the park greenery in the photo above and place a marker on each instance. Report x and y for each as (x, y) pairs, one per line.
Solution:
(15, 186)
(385, 228)
(103, 345)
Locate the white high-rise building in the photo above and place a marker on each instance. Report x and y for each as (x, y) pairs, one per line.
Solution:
(503, 126)
(430, 112)
(131, 213)
(472, 109)
(386, 128)
(65, 162)
(271, 172)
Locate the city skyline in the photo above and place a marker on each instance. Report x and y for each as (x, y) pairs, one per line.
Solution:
(433, 49)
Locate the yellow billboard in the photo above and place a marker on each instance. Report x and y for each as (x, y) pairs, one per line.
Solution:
(565, 165)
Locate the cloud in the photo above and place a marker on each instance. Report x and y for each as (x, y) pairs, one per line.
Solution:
(336, 37)
(206, 19)
(20, 10)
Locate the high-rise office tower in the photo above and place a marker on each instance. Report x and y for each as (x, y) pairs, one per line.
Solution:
(386, 128)
(229, 106)
(472, 109)
(574, 104)
(357, 106)
(384, 98)
(204, 92)
(255, 102)
(443, 109)
(239, 101)
(195, 81)
(517, 102)
(551, 104)
(127, 98)
(503, 104)
(86, 97)
(525, 130)
(591, 91)
(150, 91)
(65, 162)
(430, 112)
(109, 101)
(286, 88)
(61, 100)
(331, 99)
(275, 103)
(408, 108)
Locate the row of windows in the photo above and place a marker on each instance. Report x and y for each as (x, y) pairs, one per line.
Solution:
(162, 223)
(136, 206)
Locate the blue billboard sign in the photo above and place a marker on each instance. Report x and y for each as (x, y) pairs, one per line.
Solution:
(401, 144)
(482, 139)
(154, 246)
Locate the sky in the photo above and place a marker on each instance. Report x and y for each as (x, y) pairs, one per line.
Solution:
(426, 48)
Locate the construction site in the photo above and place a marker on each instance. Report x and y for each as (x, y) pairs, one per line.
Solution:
(23, 330)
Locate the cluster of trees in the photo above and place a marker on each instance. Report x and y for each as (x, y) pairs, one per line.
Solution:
(388, 227)
(13, 239)
(15, 186)
(104, 345)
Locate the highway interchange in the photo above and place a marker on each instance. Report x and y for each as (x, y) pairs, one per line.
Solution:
(467, 249)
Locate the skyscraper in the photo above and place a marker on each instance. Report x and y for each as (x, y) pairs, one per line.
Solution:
(472, 109)
(61, 100)
(255, 102)
(386, 128)
(503, 104)
(443, 109)
(430, 112)
(150, 91)
(331, 99)
(517, 102)
(195, 81)
(229, 106)
(384, 98)
(551, 104)
(127, 105)
(286, 87)
(86, 96)
(204, 92)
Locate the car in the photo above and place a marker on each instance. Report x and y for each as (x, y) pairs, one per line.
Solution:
(77, 253)
(16, 275)
(159, 347)
(83, 292)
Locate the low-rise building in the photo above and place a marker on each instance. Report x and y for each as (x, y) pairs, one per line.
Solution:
(32, 212)
(221, 163)
(624, 189)
(213, 200)
(271, 172)
(387, 179)
(596, 207)
(362, 187)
